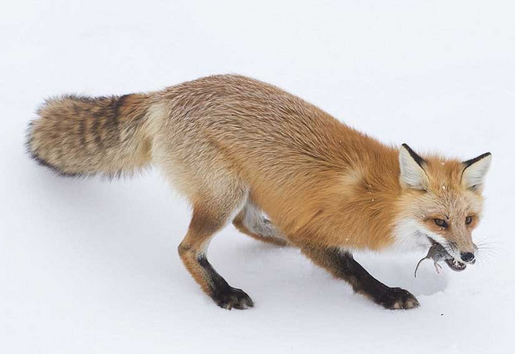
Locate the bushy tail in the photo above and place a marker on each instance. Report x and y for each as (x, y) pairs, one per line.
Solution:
(81, 136)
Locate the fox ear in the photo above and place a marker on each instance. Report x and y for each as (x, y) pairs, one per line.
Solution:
(412, 169)
(474, 172)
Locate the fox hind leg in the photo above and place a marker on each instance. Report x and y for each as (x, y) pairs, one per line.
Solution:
(208, 218)
(252, 222)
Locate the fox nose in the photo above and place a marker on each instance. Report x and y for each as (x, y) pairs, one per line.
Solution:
(467, 257)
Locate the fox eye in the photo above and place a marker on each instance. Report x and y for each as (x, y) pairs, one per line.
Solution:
(441, 223)
(468, 220)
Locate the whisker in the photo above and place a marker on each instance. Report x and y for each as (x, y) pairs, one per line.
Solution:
(487, 242)
(487, 258)
(490, 248)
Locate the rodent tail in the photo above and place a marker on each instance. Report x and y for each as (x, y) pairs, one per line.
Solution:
(83, 136)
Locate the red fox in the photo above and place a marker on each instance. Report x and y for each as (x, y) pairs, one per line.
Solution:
(280, 169)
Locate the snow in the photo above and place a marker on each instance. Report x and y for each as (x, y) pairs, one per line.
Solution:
(88, 266)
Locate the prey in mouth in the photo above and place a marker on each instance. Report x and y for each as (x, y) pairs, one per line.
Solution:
(437, 253)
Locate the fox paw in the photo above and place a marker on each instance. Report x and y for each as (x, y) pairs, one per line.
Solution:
(398, 299)
(232, 298)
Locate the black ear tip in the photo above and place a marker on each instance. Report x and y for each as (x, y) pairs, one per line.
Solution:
(419, 160)
(407, 147)
(480, 157)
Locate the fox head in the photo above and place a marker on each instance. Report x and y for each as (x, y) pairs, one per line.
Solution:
(441, 201)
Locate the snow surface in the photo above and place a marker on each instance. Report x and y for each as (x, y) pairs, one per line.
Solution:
(88, 266)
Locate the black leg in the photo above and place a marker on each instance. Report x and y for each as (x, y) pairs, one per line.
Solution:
(221, 292)
(342, 265)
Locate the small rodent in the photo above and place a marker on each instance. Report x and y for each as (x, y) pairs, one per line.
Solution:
(436, 253)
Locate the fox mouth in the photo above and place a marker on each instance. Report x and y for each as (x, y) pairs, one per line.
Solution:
(451, 262)
(455, 265)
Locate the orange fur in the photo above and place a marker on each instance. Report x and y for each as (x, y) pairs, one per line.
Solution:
(233, 145)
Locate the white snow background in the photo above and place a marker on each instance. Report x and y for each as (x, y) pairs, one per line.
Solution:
(88, 266)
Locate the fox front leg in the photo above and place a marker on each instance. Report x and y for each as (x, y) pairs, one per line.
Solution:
(343, 266)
